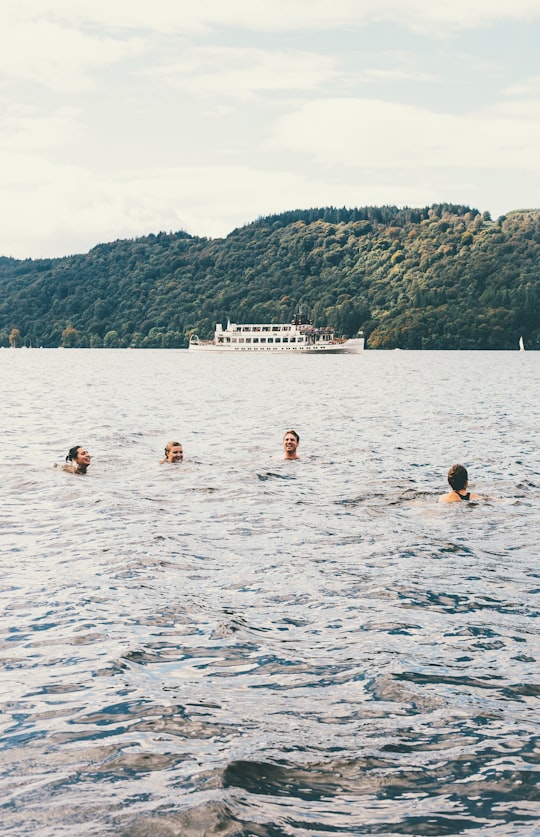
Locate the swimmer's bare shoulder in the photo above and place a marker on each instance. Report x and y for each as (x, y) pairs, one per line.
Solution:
(453, 498)
(69, 469)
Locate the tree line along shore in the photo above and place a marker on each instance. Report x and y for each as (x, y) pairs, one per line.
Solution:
(438, 277)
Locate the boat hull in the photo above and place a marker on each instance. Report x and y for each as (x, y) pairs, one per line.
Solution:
(355, 346)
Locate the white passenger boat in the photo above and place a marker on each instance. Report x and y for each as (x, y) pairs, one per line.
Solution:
(300, 335)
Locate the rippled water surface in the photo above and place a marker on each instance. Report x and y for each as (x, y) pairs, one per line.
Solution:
(238, 645)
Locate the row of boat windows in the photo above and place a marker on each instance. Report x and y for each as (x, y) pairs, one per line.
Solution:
(261, 340)
(263, 328)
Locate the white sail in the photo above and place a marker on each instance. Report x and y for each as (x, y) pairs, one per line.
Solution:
(521, 344)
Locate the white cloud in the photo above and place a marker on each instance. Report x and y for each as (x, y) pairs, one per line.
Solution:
(235, 73)
(460, 14)
(57, 55)
(183, 16)
(25, 128)
(369, 133)
(377, 75)
(524, 95)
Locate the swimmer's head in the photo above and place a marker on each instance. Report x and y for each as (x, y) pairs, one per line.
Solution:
(174, 452)
(291, 440)
(458, 477)
(79, 455)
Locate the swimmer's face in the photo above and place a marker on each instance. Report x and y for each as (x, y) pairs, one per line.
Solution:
(290, 444)
(175, 454)
(83, 457)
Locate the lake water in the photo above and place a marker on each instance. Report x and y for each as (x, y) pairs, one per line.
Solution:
(238, 645)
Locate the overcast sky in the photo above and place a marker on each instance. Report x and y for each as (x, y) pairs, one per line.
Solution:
(121, 118)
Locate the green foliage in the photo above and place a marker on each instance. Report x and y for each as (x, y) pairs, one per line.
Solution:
(438, 277)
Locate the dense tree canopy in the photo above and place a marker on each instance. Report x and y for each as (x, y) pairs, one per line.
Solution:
(439, 277)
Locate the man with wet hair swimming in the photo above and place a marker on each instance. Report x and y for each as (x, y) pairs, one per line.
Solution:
(78, 460)
(458, 480)
(174, 452)
(291, 440)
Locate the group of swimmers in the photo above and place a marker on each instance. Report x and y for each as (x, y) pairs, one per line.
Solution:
(78, 461)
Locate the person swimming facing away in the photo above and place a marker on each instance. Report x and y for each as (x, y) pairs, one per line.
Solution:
(458, 479)
(77, 460)
(174, 452)
(291, 440)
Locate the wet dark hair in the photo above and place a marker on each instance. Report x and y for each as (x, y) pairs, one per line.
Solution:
(294, 433)
(457, 477)
(73, 453)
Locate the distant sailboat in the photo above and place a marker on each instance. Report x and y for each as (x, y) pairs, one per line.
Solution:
(521, 344)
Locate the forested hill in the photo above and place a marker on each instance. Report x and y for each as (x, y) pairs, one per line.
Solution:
(443, 277)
